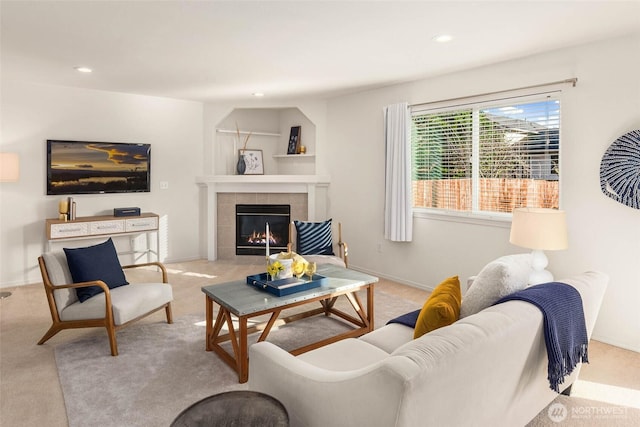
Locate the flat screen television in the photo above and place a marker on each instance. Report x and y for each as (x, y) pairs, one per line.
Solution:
(84, 167)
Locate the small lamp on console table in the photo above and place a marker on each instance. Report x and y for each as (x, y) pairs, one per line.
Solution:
(539, 229)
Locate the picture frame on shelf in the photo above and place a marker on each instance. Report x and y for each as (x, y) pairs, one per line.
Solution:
(294, 140)
(254, 164)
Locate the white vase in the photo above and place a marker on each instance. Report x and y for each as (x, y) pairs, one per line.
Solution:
(286, 263)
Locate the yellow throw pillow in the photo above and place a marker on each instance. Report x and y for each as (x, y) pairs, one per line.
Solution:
(441, 309)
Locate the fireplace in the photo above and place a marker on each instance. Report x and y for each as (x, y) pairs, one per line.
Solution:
(251, 221)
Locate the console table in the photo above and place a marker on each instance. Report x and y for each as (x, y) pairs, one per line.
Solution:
(90, 227)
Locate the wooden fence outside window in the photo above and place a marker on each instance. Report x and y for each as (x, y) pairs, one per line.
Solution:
(496, 194)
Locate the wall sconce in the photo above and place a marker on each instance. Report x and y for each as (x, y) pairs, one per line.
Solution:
(539, 229)
(9, 167)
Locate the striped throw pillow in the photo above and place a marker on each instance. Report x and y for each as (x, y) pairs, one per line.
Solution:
(314, 238)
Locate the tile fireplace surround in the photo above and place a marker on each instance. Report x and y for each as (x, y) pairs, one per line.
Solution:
(305, 193)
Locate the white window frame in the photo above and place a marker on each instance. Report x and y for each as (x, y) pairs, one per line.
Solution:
(476, 216)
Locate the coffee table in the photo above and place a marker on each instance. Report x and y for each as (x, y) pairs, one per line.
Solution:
(244, 302)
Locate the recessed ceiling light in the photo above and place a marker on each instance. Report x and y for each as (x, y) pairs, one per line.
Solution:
(442, 38)
(258, 94)
(83, 69)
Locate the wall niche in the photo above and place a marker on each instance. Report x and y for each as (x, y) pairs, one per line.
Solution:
(270, 128)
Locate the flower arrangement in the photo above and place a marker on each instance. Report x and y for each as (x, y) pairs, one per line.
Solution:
(274, 269)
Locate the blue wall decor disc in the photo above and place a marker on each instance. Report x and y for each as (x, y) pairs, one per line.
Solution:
(620, 170)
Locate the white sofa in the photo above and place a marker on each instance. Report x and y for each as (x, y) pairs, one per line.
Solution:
(486, 369)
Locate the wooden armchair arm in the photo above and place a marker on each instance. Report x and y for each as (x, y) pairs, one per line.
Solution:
(344, 252)
(147, 264)
(98, 283)
(343, 247)
(107, 294)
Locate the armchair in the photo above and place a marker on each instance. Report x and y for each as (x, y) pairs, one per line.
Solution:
(314, 241)
(112, 309)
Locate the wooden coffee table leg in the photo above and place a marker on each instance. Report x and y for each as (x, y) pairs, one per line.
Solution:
(370, 316)
(209, 321)
(243, 356)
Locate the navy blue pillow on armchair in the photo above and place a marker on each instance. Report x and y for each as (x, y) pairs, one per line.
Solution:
(314, 238)
(99, 262)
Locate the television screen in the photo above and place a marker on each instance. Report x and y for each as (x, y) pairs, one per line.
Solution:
(81, 167)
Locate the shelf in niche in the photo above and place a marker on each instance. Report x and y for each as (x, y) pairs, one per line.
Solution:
(292, 156)
(246, 132)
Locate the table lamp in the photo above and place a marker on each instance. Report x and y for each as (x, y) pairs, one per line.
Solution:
(539, 229)
(9, 172)
(9, 167)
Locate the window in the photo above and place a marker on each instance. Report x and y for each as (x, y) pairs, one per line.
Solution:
(488, 158)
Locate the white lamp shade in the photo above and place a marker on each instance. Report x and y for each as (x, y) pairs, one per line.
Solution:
(539, 229)
(9, 167)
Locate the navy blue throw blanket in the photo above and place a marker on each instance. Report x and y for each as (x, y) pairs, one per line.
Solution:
(565, 333)
(408, 319)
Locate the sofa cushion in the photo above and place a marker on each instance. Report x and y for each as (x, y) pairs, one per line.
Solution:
(390, 337)
(344, 355)
(497, 279)
(442, 308)
(314, 238)
(98, 262)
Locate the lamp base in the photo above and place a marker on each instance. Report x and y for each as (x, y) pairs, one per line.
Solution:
(538, 273)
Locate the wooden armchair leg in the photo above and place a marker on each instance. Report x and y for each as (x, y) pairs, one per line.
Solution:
(54, 329)
(111, 331)
(167, 309)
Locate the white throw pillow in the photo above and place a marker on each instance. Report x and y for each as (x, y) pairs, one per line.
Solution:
(497, 279)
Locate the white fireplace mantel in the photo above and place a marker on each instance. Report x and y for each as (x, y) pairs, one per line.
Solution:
(262, 183)
(309, 184)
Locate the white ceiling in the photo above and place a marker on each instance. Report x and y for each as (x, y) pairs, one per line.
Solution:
(226, 50)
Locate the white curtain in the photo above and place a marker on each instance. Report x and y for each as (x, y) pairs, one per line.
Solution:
(398, 217)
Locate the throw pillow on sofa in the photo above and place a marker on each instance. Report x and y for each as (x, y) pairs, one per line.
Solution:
(497, 279)
(441, 309)
(98, 262)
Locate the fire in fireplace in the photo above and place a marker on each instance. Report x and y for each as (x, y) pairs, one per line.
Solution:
(251, 222)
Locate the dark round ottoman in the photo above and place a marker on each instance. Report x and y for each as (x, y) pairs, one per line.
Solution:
(234, 408)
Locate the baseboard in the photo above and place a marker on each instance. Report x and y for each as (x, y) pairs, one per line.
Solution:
(392, 278)
(616, 343)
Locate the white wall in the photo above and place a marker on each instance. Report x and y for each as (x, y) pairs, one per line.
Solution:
(604, 235)
(32, 113)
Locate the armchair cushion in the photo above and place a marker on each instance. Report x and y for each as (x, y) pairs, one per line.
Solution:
(59, 274)
(314, 238)
(98, 262)
(128, 302)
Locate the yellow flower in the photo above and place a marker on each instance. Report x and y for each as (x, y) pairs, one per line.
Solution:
(274, 268)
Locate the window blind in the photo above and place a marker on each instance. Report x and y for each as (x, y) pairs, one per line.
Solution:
(487, 157)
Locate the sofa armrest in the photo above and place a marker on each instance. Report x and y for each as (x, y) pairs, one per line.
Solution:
(315, 396)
